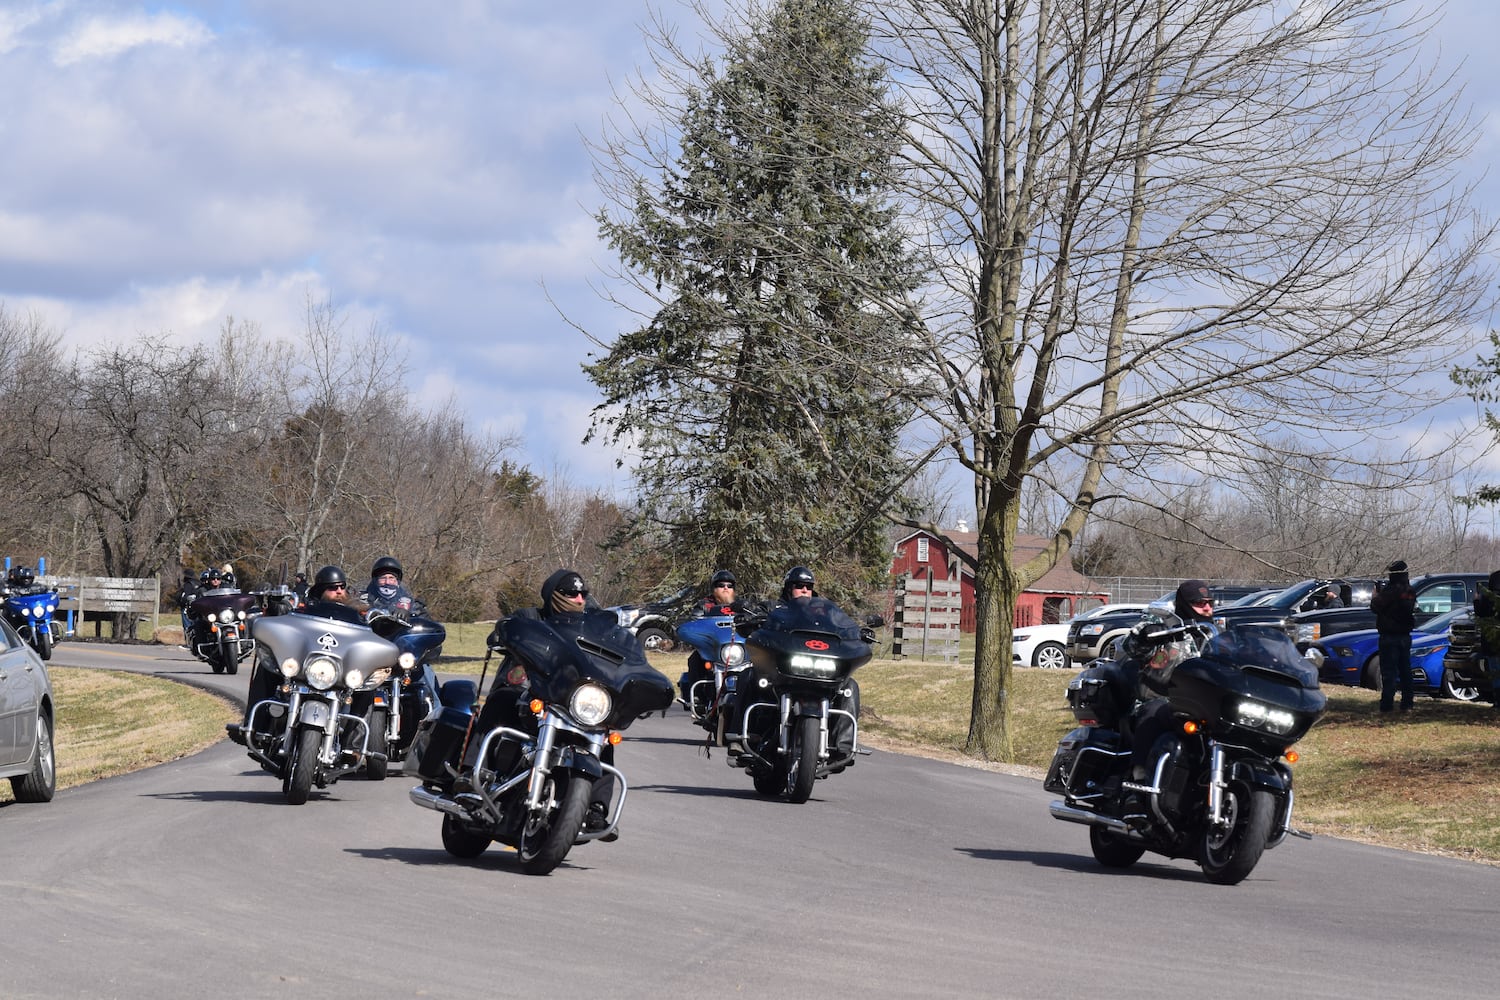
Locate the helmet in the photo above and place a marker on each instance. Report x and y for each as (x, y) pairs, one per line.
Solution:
(722, 576)
(210, 574)
(22, 576)
(328, 576)
(386, 564)
(796, 576)
(1188, 592)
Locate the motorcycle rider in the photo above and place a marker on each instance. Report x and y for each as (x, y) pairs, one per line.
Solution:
(568, 609)
(327, 597)
(1152, 655)
(21, 580)
(720, 601)
(385, 592)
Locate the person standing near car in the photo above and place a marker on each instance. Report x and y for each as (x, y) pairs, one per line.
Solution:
(1395, 607)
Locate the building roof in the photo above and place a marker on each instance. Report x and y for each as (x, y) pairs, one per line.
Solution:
(1060, 579)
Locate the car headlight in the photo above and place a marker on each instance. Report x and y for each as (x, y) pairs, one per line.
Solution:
(627, 618)
(1308, 633)
(590, 704)
(321, 671)
(1259, 715)
(1091, 630)
(731, 654)
(804, 665)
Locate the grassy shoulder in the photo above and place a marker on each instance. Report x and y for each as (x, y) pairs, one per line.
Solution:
(112, 722)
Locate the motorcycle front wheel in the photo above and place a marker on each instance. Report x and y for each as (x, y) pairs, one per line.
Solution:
(43, 635)
(802, 769)
(376, 767)
(1229, 853)
(299, 773)
(547, 836)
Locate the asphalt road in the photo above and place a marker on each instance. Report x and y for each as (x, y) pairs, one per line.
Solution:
(902, 877)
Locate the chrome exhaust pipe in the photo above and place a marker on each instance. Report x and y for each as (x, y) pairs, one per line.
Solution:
(429, 799)
(1063, 811)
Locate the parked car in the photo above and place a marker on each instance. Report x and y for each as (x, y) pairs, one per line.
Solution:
(1437, 594)
(1465, 661)
(655, 623)
(1353, 658)
(26, 719)
(1094, 633)
(1040, 646)
(1276, 609)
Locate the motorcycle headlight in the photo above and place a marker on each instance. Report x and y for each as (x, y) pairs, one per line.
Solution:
(590, 704)
(289, 667)
(224, 616)
(804, 665)
(321, 671)
(51, 608)
(39, 611)
(406, 661)
(731, 654)
(1267, 718)
(354, 679)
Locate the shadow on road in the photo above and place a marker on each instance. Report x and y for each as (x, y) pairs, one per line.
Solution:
(497, 858)
(1079, 863)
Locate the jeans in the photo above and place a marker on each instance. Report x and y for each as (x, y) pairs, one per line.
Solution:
(1395, 667)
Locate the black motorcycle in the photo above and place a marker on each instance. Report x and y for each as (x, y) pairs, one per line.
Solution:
(532, 781)
(796, 707)
(219, 627)
(410, 694)
(1220, 790)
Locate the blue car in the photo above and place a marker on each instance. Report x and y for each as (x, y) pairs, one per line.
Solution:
(1353, 658)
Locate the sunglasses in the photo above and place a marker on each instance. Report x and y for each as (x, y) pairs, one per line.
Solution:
(802, 586)
(1203, 604)
(723, 586)
(574, 593)
(335, 586)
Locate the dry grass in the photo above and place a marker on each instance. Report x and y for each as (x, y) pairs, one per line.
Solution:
(110, 722)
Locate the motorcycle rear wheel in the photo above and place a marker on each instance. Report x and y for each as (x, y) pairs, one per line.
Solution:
(802, 770)
(1112, 850)
(1229, 854)
(545, 840)
(299, 778)
(462, 840)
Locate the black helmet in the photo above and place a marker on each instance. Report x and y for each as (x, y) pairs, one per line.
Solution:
(1191, 592)
(722, 576)
(328, 576)
(796, 576)
(211, 574)
(386, 564)
(22, 576)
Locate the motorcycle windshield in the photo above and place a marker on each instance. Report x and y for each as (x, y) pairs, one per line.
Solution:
(223, 600)
(707, 634)
(814, 614)
(417, 636)
(1262, 647)
(812, 639)
(559, 655)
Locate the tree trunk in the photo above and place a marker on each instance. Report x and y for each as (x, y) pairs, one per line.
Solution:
(996, 587)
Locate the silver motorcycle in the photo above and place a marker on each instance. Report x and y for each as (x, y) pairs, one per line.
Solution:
(305, 732)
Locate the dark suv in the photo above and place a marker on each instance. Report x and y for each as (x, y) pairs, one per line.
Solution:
(1437, 594)
(1277, 610)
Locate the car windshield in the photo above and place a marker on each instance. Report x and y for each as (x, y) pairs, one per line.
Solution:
(1292, 595)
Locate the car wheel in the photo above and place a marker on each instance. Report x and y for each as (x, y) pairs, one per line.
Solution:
(40, 783)
(1111, 649)
(1050, 656)
(1371, 676)
(1459, 692)
(654, 640)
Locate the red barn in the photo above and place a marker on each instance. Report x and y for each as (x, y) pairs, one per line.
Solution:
(1056, 597)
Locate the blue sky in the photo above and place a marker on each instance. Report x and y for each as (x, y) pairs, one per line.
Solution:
(421, 165)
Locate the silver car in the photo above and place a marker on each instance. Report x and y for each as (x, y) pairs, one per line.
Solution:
(26, 720)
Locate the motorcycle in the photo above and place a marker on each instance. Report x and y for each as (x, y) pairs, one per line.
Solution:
(218, 623)
(31, 615)
(305, 734)
(408, 696)
(790, 730)
(530, 784)
(710, 699)
(1220, 788)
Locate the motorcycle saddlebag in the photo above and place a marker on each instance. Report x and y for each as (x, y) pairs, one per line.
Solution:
(1098, 695)
(442, 740)
(1083, 760)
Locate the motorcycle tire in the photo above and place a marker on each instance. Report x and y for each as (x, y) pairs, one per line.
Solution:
(462, 840)
(546, 839)
(299, 770)
(376, 767)
(215, 663)
(43, 635)
(1228, 855)
(1113, 850)
(802, 769)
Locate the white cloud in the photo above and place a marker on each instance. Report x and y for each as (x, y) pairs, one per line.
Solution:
(103, 36)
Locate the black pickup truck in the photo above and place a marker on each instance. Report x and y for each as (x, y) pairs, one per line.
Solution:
(1437, 593)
